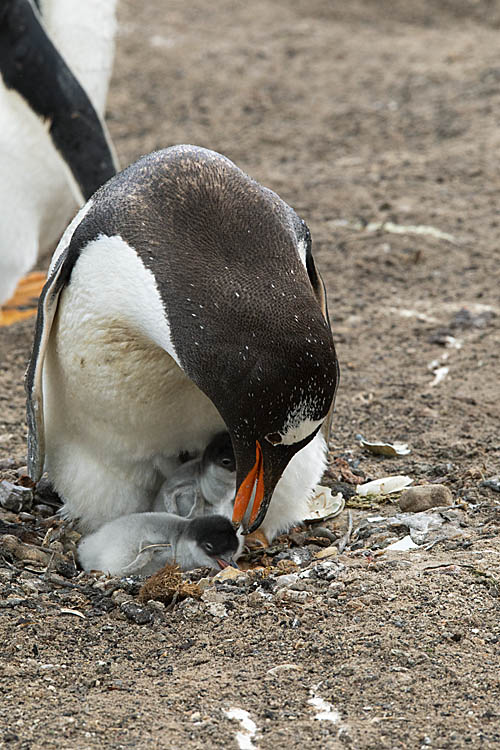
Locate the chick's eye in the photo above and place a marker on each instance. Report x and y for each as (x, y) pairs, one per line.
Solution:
(226, 462)
(208, 547)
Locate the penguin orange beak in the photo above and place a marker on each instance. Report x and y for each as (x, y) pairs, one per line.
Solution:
(254, 479)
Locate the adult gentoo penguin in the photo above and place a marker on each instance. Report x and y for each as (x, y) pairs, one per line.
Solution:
(55, 64)
(183, 299)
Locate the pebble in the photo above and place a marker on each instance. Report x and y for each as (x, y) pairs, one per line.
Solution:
(493, 483)
(298, 556)
(255, 599)
(43, 510)
(228, 573)
(416, 499)
(327, 570)
(331, 551)
(120, 596)
(216, 609)
(286, 580)
(299, 597)
(191, 609)
(158, 608)
(135, 613)
(14, 497)
(213, 596)
(336, 588)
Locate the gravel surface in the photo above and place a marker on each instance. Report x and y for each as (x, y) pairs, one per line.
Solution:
(378, 122)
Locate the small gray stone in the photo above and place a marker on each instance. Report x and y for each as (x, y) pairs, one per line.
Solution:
(299, 597)
(336, 588)
(14, 497)
(286, 580)
(43, 510)
(216, 609)
(327, 570)
(213, 596)
(191, 609)
(155, 606)
(120, 596)
(135, 613)
(299, 556)
(416, 499)
(493, 483)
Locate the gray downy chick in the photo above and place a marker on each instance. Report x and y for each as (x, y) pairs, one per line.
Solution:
(203, 485)
(142, 543)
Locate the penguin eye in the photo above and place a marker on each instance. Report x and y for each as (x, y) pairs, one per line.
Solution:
(274, 438)
(208, 547)
(226, 462)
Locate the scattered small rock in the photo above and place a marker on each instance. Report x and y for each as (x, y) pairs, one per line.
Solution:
(464, 319)
(286, 580)
(15, 497)
(226, 573)
(424, 497)
(493, 483)
(120, 596)
(327, 570)
(191, 609)
(216, 609)
(331, 551)
(41, 509)
(299, 556)
(299, 597)
(135, 613)
(336, 588)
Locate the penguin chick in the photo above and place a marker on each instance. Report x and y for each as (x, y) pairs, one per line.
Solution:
(207, 484)
(202, 485)
(142, 543)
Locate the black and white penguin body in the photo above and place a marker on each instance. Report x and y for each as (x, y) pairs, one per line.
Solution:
(55, 64)
(183, 300)
(142, 543)
(203, 485)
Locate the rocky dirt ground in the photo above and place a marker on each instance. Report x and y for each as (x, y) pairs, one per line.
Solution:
(379, 123)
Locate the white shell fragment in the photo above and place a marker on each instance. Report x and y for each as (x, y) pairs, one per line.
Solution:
(384, 449)
(439, 375)
(324, 505)
(326, 552)
(402, 545)
(228, 572)
(384, 486)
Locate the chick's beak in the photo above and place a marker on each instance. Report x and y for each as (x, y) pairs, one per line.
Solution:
(223, 562)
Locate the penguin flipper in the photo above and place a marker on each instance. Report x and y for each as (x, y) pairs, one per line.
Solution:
(148, 551)
(47, 307)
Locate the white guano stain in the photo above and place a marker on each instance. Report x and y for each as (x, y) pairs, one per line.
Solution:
(249, 727)
(326, 712)
(439, 375)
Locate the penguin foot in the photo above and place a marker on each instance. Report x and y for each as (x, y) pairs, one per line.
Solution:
(23, 303)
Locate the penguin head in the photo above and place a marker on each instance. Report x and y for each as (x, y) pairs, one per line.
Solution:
(219, 452)
(277, 413)
(213, 540)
